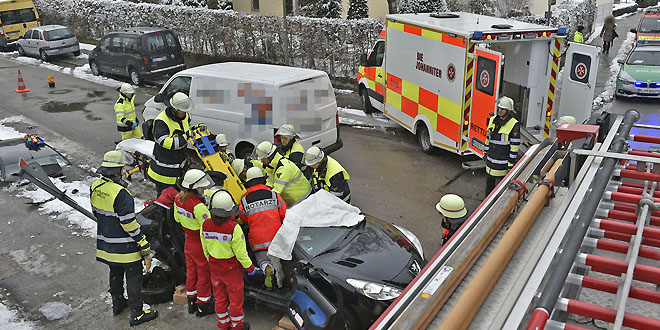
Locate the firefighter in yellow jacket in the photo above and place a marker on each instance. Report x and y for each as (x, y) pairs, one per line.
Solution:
(291, 149)
(119, 241)
(127, 122)
(502, 143)
(328, 174)
(284, 177)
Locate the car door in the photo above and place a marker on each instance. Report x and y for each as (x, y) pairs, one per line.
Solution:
(25, 41)
(309, 308)
(34, 42)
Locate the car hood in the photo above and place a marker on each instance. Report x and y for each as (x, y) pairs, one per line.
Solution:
(643, 72)
(375, 252)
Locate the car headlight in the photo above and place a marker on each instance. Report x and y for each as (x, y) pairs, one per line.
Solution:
(412, 238)
(625, 79)
(373, 290)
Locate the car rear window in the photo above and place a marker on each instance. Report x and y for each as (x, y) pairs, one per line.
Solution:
(17, 16)
(160, 41)
(58, 34)
(650, 24)
(651, 58)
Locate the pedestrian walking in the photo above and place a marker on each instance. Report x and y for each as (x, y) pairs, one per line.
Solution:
(502, 143)
(119, 241)
(608, 33)
(127, 123)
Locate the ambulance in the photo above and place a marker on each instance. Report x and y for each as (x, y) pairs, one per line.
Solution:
(440, 75)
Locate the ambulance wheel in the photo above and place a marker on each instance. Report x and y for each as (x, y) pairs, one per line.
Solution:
(366, 104)
(424, 139)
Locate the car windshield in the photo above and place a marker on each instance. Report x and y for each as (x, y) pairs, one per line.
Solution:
(650, 24)
(316, 240)
(58, 34)
(644, 57)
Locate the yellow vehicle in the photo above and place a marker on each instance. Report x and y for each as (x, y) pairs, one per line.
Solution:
(16, 17)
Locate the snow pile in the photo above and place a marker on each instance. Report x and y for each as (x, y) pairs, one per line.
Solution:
(55, 310)
(9, 320)
(569, 14)
(331, 45)
(610, 85)
(7, 133)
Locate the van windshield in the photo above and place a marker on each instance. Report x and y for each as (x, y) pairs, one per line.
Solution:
(17, 16)
(58, 34)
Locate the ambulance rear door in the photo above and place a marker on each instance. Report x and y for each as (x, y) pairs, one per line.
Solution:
(579, 81)
(485, 88)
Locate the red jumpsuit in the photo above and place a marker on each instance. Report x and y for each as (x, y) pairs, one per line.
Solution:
(263, 211)
(191, 214)
(224, 246)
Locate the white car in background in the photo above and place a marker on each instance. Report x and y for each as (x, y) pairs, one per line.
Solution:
(48, 40)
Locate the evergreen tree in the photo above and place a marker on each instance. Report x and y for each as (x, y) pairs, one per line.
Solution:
(329, 9)
(357, 9)
(422, 6)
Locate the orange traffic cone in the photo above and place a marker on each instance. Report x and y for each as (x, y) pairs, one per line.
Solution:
(21, 85)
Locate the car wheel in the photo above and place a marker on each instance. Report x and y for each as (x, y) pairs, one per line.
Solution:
(135, 77)
(350, 321)
(424, 139)
(366, 104)
(244, 151)
(76, 53)
(21, 51)
(43, 55)
(95, 68)
(157, 286)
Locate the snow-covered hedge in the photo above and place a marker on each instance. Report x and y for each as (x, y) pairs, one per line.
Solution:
(331, 45)
(570, 14)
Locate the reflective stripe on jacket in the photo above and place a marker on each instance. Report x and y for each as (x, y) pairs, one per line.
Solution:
(294, 152)
(118, 239)
(169, 150)
(287, 180)
(125, 112)
(263, 211)
(225, 241)
(191, 214)
(502, 146)
(332, 177)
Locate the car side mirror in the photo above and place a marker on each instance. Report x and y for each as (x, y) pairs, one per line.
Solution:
(620, 61)
(363, 59)
(158, 98)
(633, 31)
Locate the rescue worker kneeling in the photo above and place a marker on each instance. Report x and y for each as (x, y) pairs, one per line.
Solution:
(119, 241)
(284, 176)
(263, 211)
(191, 213)
(224, 246)
(452, 213)
(328, 174)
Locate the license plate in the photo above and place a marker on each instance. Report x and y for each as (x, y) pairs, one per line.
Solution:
(12, 34)
(649, 90)
(158, 59)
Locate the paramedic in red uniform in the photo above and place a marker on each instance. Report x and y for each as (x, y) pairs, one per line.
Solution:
(502, 143)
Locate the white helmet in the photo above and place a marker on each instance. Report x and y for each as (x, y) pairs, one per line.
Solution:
(264, 150)
(222, 204)
(253, 173)
(238, 165)
(287, 130)
(222, 140)
(313, 155)
(116, 158)
(126, 89)
(567, 120)
(182, 102)
(505, 103)
(451, 206)
(195, 178)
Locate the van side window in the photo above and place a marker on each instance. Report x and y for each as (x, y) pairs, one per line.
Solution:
(103, 44)
(28, 34)
(179, 84)
(36, 35)
(115, 44)
(171, 40)
(377, 55)
(128, 44)
(155, 42)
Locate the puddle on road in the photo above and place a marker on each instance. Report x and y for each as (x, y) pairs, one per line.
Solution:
(59, 107)
(95, 93)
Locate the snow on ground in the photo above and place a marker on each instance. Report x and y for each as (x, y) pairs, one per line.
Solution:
(84, 46)
(55, 310)
(344, 91)
(623, 4)
(9, 320)
(352, 112)
(610, 85)
(7, 133)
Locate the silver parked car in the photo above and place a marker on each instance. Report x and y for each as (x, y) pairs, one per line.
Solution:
(48, 40)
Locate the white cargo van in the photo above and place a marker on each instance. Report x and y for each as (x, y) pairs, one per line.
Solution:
(248, 102)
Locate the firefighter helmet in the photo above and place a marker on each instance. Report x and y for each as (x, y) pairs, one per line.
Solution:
(195, 178)
(505, 103)
(451, 206)
(567, 120)
(182, 102)
(126, 89)
(222, 140)
(253, 173)
(265, 149)
(238, 165)
(313, 155)
(287, 130)
(222, 204)
(117, 158)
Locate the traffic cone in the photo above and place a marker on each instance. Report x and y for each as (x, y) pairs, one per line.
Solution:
(21, 85)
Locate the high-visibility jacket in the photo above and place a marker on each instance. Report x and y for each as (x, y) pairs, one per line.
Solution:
(191, 214)
(225, 241)
(263, 211)
(118, 236)
(169, 150)
(577, 37)
(332, 177)
(125, 112)
(502, 145)
(287, 180)
(294, 152)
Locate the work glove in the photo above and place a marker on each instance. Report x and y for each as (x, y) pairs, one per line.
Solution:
(255, 271)
(134, 125)
(147, 264)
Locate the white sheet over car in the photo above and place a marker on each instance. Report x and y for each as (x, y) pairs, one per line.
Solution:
(132, 145)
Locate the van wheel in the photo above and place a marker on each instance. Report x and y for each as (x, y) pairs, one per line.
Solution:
(243, 151)
(424, 139)
(43, 55)
(135, 77)
(76, 53)
(21, 51)
(95, 68)
(366, 104)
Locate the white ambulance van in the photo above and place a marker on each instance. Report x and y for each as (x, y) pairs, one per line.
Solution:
(439, 76)
(248, 102)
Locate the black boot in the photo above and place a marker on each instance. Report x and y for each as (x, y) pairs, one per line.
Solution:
(119, 303)
(204, 309)
(139, 316)
(192, 306)
(246, 326)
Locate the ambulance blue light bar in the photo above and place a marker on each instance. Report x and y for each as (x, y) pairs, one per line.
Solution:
(561, 31)
(478, 35)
